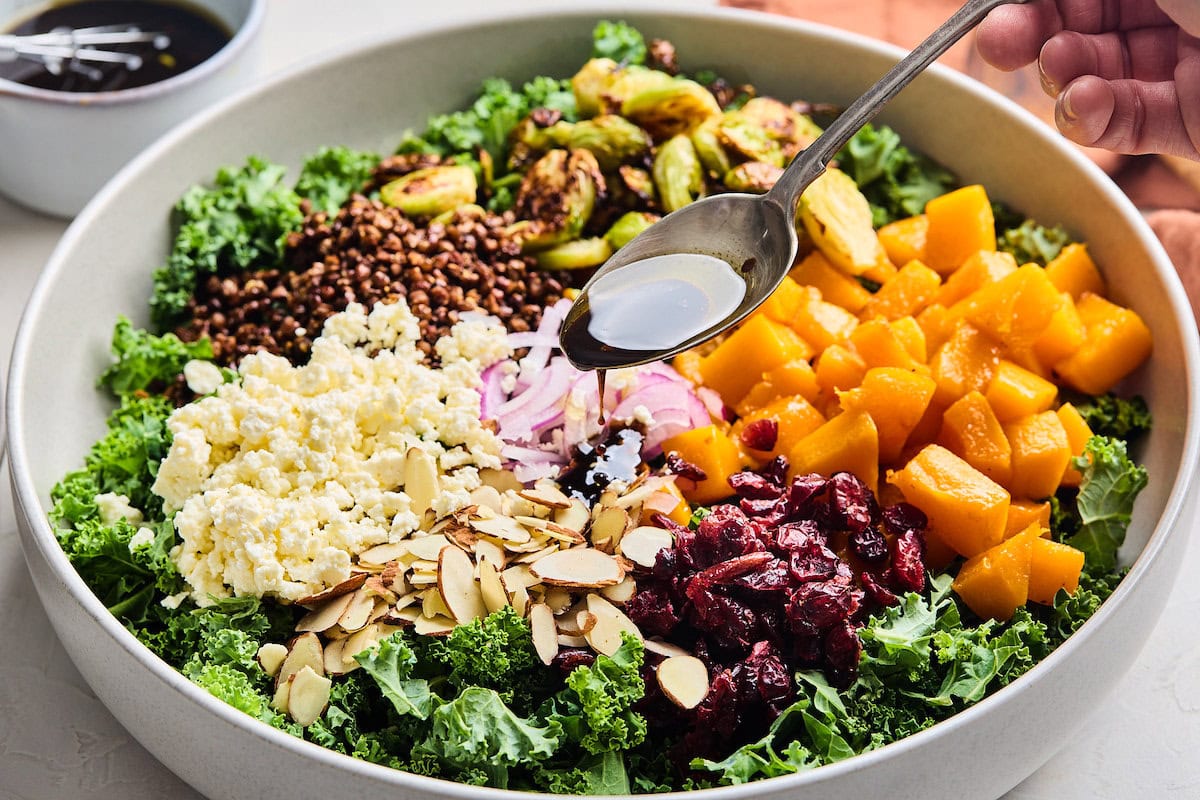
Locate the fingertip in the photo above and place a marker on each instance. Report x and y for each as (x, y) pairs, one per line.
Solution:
(1084, 110)
(1009, 37)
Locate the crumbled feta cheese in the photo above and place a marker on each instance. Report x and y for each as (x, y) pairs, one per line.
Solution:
(173, 601)
(114, 507)
(143, 538)
(203, 377)
(282, 478)
(642, 414)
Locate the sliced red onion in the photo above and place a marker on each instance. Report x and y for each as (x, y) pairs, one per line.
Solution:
(491, 392)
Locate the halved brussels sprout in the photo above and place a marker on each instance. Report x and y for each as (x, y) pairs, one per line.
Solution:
(838, 217)
(628, 226)
(529, 139)
(469, 211)
(755, 177)
(670, 108)
(781, 122)
(677, 173)
(431, 191)
(590, 84)
(559, 193)
(639, 183)
(610, 138)
(744, 136)
(707, 142)
(579, 254)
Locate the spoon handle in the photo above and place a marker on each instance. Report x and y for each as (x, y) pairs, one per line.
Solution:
(809, 165)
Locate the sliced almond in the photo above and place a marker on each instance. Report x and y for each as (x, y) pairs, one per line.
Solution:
(392, 578)
(643, 544)
(518, 574)
(568, 623)
(382, 609)
(358, 612)
(529, 558)
(487, 496)
(270, 657)
(432, 604)
(578, 567)
(491, 587)
(505, 528)
(279, 701)
(437, 626)
(563, 534)
(558, 598)
(427, 548)
(545, 494)
(533, 523)
(545, 634)
(623, 592)
(406, 601)
(684, 680)
(402, 616)
(361, 641)
(487, 550)
(572, 641)
(335, 663)
(304, 650)
(608, 527)
(585, 621)
(381, 554)
(347, 586)
(326, 615)
(420, 480)
(500, 479)
(664, 649)
(605, 635)
(422, 580)
(520, 600)
(457, 586)
(308, 697)
(574, 517)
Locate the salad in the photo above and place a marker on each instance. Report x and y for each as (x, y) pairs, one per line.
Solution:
(352, 487)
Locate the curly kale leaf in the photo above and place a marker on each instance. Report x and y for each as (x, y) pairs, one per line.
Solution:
(596, 708)
(1030, 242)
(238, 224)
(619, 41)
(1116, 417)
(145, 361)
(390, 663)
(332, 174)
(1111, 482)
(897, 182)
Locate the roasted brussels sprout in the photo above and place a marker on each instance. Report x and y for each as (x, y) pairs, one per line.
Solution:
(579, 254)
(591, 83)
(755, 177)
(640, 184)
(670, 108)
(745, 137)
(780, 122)
(707, 141)
(677, 173)
(610, 138)
(431, 191)
(629, 226)
(533, 136)
(838, 218)
(559, 191)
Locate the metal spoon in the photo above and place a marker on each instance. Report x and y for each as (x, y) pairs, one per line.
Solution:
(754, 234)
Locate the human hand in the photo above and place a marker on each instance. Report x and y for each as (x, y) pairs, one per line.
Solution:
(1126, 73)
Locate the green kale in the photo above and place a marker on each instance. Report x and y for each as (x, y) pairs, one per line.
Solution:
(239, 224)
(778, 752)
(897, 182)
(332, 174)
(603, 774)
(1111, 482)
(496, 653)
(477, 733)
(390, 663)
(232, 686)
(596, 708)
(1116, 417)
(621, 42)
(145, 361)
(1030, 242)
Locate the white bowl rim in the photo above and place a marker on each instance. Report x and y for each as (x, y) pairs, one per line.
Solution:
(44, 538)
(238, 42)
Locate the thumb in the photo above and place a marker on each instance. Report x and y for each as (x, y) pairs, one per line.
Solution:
(1128, 116)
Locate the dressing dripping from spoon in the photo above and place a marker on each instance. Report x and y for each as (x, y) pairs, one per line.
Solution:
(704, 268)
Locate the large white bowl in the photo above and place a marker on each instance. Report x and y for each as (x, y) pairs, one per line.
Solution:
(366, 98)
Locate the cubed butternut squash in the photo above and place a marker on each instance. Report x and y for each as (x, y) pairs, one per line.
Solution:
(912, 337)
(710, 449)
(937, 324)
(1062, 337)
(834, 285)
(879, 346)
(1078, 433)
(1053, 566)
(912, 288)
(995, 583)
(967, 508)
(794, 377)
(1014, 310)
(959, 223)
(971, 431)
(847, 443)
(1074, 272)
(795, 418)
(896, 400)
(839, 367)
(1117, 342)
(981, 267)
(1023, 513)
(965, 363)
(822, 323)
(784, 302)
(904, 239)
(687, 364)
(1016, 392)
(739, 362)
(1040, 452)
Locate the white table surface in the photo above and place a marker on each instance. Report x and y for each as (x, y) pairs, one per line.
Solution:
(58, 741)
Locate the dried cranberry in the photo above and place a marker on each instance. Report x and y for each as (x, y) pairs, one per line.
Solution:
(776, 472)
(907, 571)
(761, 434)
(772, 576)
(725, 533)
(752, 486)
(730, 623)
(795, 535)
(651, 610)
(773, 681)
(842, 651)
(869, 544)
(769, 512)
(876, 592)
(569, 658)
(820, 604)
(850, 501)
(803, 492)
(685, 469)
(813, 561)
(903, 517)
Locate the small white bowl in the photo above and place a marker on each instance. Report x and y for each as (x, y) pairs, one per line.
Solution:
(60, 147)
(366, 98)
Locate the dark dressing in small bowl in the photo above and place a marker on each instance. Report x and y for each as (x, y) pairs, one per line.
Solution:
(195, 36)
